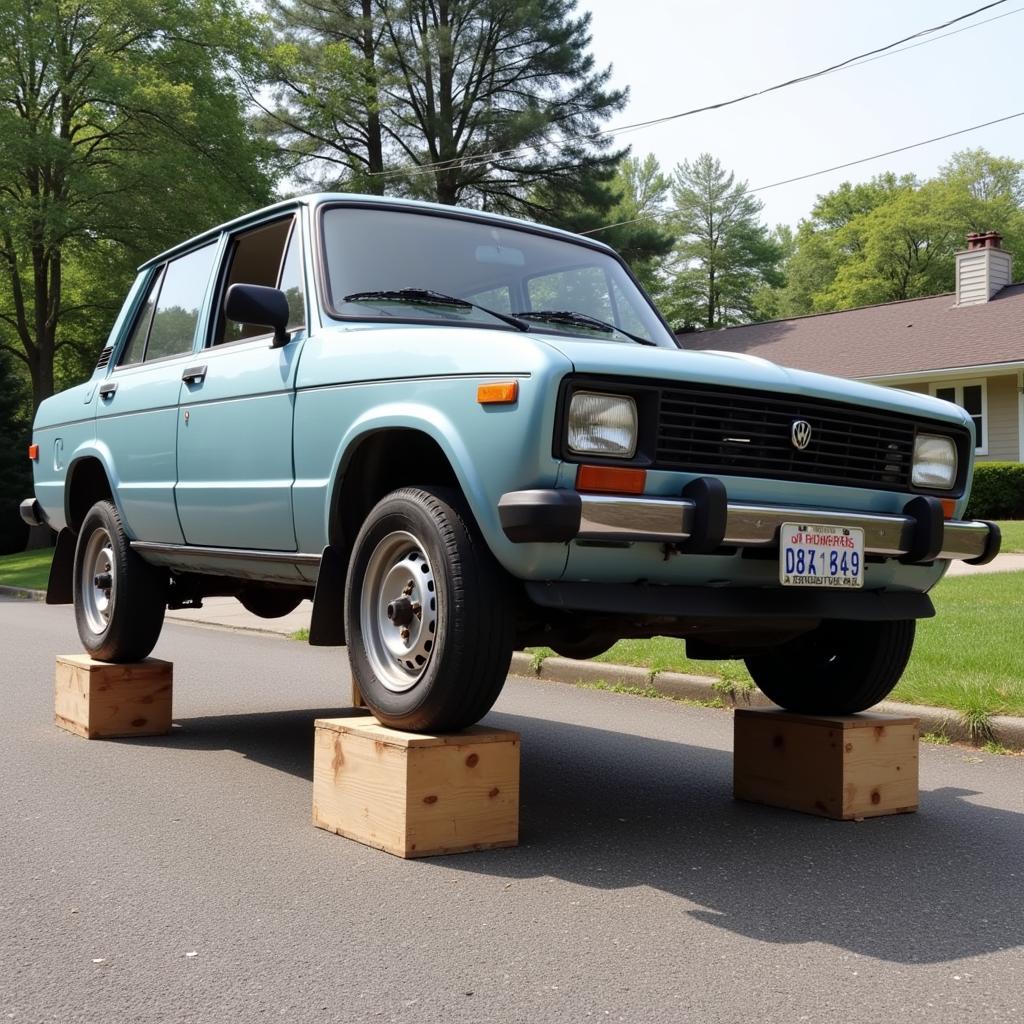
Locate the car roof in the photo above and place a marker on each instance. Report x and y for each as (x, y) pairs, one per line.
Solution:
(319, 198)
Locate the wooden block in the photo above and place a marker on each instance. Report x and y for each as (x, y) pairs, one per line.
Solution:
(839, 766)
(100, 700)
(414, 795)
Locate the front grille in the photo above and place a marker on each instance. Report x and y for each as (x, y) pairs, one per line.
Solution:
(703, 429)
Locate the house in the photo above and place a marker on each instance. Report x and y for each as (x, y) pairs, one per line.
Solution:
(966, 346)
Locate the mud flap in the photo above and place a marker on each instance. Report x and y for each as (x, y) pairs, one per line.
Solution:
(327, 625)
(60, 586)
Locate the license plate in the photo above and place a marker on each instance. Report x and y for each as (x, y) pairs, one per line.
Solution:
(820, 556)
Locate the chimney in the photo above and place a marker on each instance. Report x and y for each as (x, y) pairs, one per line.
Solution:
(982, 269)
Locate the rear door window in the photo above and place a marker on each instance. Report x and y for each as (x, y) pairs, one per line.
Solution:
(135, 350)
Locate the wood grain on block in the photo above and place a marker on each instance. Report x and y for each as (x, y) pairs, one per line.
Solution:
(415, 795)
(839, 766)
(101, 700)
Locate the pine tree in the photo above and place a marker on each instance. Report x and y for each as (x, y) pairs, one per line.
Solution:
(724, 255)
(486, 103)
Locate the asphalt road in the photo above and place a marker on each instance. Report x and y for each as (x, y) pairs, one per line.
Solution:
(640, 891)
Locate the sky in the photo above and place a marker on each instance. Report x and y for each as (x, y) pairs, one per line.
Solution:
(675, 56)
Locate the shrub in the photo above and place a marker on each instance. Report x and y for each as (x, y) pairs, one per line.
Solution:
(998, 491)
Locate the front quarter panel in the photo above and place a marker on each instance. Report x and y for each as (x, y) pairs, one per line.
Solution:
(353, 383)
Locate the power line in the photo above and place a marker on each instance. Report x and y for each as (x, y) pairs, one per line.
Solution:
(877, 156)
(861, 58)
(825, 170)
(935, 39)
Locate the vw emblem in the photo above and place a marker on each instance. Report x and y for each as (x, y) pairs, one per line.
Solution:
(800, 434)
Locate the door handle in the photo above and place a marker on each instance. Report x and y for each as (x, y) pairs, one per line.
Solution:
(107, 390)
(194, 375)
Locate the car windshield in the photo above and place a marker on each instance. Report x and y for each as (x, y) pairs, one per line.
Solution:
(383, 264)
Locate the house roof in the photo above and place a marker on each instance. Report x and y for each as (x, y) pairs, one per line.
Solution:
(906, 337)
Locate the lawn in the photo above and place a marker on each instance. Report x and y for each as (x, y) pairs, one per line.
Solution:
(26, 569)
(970, 657)
(1013, 535)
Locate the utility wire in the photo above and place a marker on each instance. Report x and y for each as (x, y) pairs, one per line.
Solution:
(863, 58)
(935, 39)
(825, 170)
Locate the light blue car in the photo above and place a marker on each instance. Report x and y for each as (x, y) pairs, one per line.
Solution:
(461, 434)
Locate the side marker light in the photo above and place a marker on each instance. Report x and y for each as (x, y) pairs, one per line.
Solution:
(501, 393)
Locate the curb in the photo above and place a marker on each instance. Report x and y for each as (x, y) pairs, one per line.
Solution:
(25, 593)
(1007, 729)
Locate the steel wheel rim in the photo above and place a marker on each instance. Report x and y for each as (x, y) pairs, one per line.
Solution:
(398, 608)
(98, 586)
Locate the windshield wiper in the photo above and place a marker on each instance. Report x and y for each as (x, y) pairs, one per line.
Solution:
(426, 296)
(574, 318)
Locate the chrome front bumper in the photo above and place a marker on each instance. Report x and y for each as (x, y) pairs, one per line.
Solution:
(707, 521)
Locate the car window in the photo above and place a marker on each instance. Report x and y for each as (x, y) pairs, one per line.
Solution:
(254, 257)
(181, 298)
(136, 347)
(371, 254)
(291, 281)
(494, 298)
(581, 288)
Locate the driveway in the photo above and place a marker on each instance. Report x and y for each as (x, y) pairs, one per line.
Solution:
(179, 878)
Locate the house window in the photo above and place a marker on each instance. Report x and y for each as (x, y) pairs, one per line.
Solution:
(971, 396)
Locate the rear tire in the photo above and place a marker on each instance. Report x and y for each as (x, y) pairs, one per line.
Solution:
(426, 614)
(120, 600)
(839, 668)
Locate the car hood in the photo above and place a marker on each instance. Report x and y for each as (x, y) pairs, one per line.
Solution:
(730, 369)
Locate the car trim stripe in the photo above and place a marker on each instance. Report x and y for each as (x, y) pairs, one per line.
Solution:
(145, 547)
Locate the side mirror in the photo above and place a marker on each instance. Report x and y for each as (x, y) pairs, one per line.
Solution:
(263, 307)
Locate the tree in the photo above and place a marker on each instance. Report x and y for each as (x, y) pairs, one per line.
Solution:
(639, 229)
(123, 133)
(623, 209)
(15, 469)
(488, 103)
(724, 255)
(895, 238)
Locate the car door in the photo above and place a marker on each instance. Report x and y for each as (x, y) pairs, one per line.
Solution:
(235, 469)
(137, 406)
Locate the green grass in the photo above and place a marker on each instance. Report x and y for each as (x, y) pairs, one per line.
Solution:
(662, 654)
(1013, 536)
(968, 658)
(26, 569)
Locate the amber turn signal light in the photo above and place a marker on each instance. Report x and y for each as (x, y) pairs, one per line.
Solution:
(948, 507)
(611, 479)
(33, 452)
(500, 393)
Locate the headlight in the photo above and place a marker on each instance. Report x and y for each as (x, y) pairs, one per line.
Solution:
(934, 462)
(602, 424)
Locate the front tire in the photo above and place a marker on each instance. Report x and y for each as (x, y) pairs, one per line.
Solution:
(839, 668)
(426, 614)
(120, 600)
